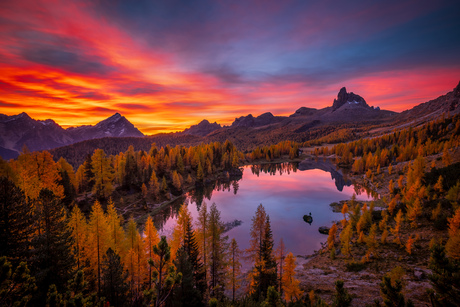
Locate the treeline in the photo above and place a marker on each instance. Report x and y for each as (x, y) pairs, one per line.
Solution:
(75, 153)
(438, 136)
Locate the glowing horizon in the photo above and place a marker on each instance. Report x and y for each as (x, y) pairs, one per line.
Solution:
(167, 66)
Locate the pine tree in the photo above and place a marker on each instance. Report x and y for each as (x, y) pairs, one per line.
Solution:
(255, 251)
(445, 278)
(114, 286)
(165, 274)
(16, 288)
(183, 220)
(341, 298)
(291, 288)
(202, 238)
(52, 258)
(268, 275)
(15, 222)
(191, 247)
(185, 294)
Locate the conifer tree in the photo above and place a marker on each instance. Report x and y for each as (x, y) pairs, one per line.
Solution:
(268, 275)
(99, 241)
(341, 298)
(151, 239)
(280, 256)
(52, 258)
(185, 294)
(345, 240)
(117, 234)
(217, 252)
(202, 238)
(165, 274)
(235, 267)
(79, 230)
(16, 287)
(397, 228)
(103, 174)
(154, 189)
(15, 222)
(114, 286)
(291, 288)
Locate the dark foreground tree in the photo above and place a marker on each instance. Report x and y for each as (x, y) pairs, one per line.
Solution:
(341, 298)
(186, 294)
(15, 222)
(52, 258)
(16, 288)
(445, 278)
(114, 286)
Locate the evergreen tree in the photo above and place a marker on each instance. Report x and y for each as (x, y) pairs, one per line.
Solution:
(88, 178)
(16, 288)
(268, 276)
(392, 294)
(202, 238)
(114, 286)
(341, 298)
(191, 248)
(15, 222)
(52, 258)
(165, 276)
(186, 294)
(445, 278)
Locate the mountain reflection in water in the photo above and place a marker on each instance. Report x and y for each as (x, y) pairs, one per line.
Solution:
(287, 193)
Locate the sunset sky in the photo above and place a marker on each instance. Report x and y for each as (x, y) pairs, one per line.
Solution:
(166, 65)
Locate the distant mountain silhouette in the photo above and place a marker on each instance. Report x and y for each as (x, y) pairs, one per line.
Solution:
(349, 113)
(19, 130)
(203, 128)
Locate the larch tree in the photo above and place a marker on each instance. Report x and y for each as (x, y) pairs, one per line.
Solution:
(154, 186)
(99, 240)
(117, 234)
(79, 227)
(453, 243)
(151, 239)
(183, 220)
(291, 287)
(280, 256)
(397, 228)
(217, 252)
(103, 174)
(235, 267)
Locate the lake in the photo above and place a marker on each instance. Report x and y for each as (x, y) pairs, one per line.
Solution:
(286, 192)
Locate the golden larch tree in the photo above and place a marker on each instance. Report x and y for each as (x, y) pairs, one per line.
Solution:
(291, 287)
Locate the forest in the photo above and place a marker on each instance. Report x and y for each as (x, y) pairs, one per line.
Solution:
(65, 242)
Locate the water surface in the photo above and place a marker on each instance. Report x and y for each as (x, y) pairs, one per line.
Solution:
(286, 193)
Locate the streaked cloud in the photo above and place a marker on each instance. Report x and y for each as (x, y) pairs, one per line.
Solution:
(168, 64)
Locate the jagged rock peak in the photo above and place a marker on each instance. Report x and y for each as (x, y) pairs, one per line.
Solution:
(344, 97)
(457, 90)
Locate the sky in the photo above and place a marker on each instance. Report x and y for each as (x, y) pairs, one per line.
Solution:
(166, 65)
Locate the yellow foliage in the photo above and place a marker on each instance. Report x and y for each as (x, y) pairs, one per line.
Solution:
(291, 287)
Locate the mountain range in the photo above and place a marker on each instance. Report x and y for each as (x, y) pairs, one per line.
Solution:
(348, 111)
(19, 130)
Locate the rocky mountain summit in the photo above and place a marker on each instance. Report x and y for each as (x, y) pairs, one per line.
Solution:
(351, 98)
(19, 130)
(203, 128)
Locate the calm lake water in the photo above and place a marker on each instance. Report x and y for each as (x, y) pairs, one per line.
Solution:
(286, 193)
